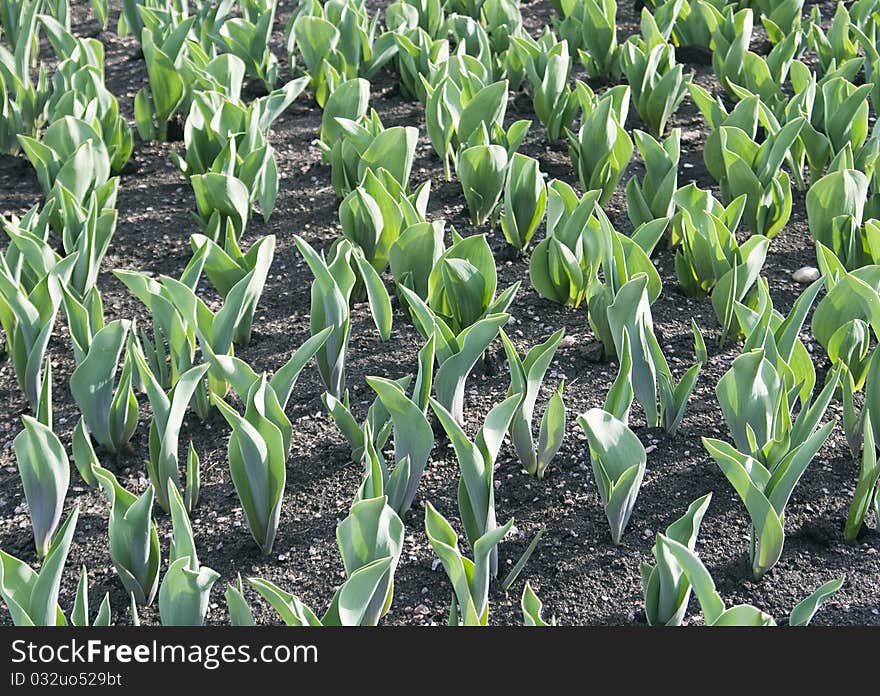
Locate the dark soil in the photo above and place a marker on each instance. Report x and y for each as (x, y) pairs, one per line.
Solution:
(581, 577)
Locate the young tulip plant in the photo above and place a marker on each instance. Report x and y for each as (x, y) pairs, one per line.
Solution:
(28, 320)
(79, 614)
(45, 475)
(532, 608)
(547, 65)
(78, 89)
(469, 578)
(367, 144)
(730, 42)
(411, 431)
(658, 84)
(22, 101)
(771, 452)
(715, 613)
(257, 452)
(866, 493)
(564, 265)
(370, 541)
(652, 197)
(618, 460)
(72, 155)
(476, 461)
(85, 236)
(168, 414)
(631, 326)
(338, 41)
(745, 115)
(463, 282)
(462, 111)
(756, 171)
(456, 353)
(694, 21)
(414, 254)
(134, 539)
(836, 45)
(778, 335)
(481, 170)
(706, 233)
(330, 297)
(780, 19)
(349, 101)
(31, 597)
(526, 378)
(750, 73)
(665, 585)
(172, 349)
(591, 28)
(525, 200)
(218, 332)
(260, 440)
(419, 57)
(374, 215)
(622, 259)
(156, 105)
(185, 590)
(223, 136)
(835, 212)
(601, 149)
(105, 394)
(247, 37)
(429, 15)
(378, 420)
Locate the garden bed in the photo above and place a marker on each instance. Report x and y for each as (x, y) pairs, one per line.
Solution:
(580, 576)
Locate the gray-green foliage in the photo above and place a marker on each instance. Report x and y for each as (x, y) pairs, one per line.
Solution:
(564, 265)
(335, 279)
(45, 476)
(601, 148)
(463, 282)
(257, 452)
(370, 541)
(716, 613)
(366, 144)
(168, 414)
(456, 353)
(546, 63)
(866, 485)
(413, 436)
(469, 578)
(31, 597)
(653, 196)
(526, 379)
(525, 200)
(532, 608)
(658, 83)
(103, 392)
(771, 452)
(79, 615)
(482, 171)
(134, 540)
(618, 460)
(185, 590)
(28, 315)
(591, 27)
(476, 461)
(665, 584)
(709, 248)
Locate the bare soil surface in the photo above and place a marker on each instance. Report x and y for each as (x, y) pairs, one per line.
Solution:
(581, 577)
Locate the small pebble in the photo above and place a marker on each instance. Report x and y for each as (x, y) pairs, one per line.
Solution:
(806, 274)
